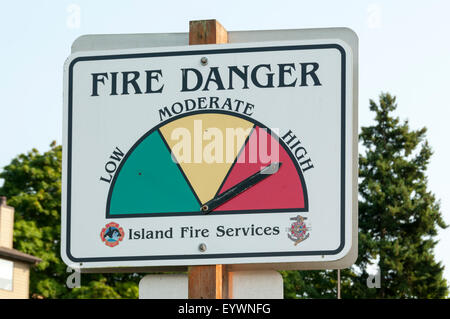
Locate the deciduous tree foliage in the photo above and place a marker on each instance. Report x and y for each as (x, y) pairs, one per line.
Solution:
(32, 183)
(398, 218)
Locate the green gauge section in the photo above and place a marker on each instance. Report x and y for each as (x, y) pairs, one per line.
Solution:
(151, 182)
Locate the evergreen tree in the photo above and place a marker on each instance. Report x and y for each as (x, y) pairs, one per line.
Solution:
(398, 215)
(311, 284)
(398, 218)
(32, 183)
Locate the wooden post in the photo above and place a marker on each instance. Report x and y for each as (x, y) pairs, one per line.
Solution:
(208, 282)
(207, 32)
(339, 284)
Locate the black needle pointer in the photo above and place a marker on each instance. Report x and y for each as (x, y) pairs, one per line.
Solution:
(240, 187)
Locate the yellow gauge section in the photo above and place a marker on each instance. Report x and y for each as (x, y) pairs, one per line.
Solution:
(206, 146)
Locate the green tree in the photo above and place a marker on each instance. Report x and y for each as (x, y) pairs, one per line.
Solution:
(398, 217)
(310, 284)
(32, 183)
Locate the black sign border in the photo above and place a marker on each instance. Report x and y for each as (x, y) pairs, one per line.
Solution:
(207, 52)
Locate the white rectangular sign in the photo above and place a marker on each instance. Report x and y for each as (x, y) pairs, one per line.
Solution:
(153, 135)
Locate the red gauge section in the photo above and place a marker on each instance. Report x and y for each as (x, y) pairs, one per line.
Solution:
(282, 191)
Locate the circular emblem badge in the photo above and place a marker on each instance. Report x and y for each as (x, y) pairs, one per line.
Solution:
(298, 231)
(112, 234)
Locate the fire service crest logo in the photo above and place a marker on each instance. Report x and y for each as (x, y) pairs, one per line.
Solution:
(298, 231)
(112, 234)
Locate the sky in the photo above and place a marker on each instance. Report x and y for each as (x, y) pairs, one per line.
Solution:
(404, 49)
